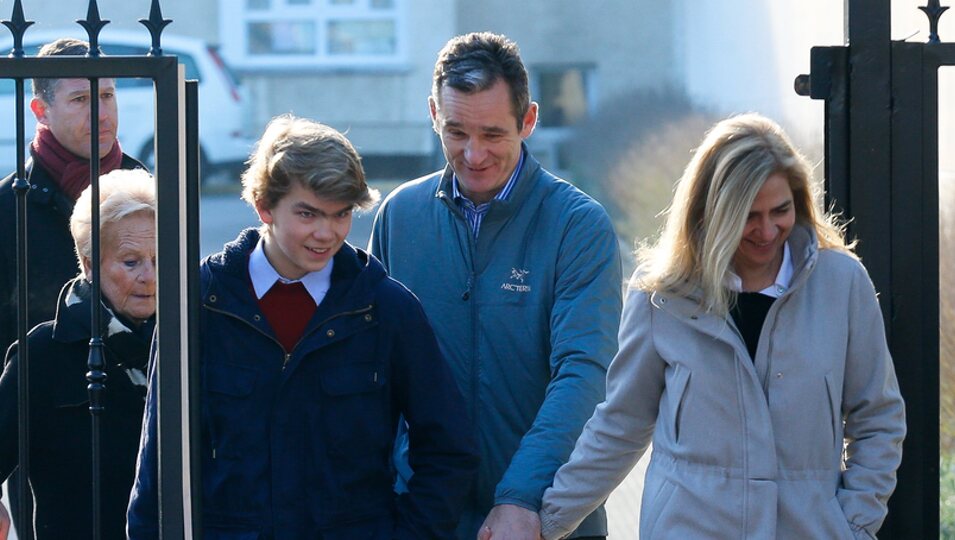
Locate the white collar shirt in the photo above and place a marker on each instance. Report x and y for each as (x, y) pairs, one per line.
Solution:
(780, 285)
(264, 276)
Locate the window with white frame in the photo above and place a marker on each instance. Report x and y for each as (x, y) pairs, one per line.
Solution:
(565, 93)
(290, 34)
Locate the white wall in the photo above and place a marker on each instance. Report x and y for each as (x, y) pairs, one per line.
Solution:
(743, 55)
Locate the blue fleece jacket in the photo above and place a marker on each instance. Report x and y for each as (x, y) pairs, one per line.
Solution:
(526, 314)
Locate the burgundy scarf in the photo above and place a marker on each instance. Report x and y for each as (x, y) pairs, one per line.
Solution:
(71, 172)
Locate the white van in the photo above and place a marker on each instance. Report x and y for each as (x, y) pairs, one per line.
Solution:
(223, 117)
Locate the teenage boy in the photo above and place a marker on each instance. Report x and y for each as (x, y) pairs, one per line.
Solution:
(310, 353)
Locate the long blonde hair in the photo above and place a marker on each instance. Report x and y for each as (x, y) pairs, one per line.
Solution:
(705, 221)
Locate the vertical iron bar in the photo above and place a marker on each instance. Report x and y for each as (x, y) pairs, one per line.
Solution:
(22, 188)
(870, 140)
(914, 508)
(171, 312)
(96, 375)
(193, 175)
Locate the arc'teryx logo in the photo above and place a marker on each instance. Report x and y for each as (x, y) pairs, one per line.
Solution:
(517, 274)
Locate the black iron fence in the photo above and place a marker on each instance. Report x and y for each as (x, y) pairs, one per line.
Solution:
(177, 171)
(881, 152)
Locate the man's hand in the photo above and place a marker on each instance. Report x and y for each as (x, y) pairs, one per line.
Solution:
(510, 522)
(4, 522)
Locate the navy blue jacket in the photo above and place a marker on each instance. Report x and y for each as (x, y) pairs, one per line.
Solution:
(298, 445)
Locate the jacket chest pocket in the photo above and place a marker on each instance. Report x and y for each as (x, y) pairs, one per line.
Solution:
(354, 409)
(229, 408)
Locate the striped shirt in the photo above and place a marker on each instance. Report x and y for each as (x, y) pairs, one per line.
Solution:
(475, 213)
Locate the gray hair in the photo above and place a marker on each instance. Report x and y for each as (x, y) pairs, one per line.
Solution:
(122, 192)
(475, 62)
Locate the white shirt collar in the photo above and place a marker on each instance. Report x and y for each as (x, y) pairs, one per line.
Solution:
(783, 278)
(263, 276)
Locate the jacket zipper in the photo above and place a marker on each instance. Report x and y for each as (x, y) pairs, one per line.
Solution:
(466, 296)
(288, 355)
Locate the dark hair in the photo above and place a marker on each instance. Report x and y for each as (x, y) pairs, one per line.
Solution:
(45, 89)
(474, 62)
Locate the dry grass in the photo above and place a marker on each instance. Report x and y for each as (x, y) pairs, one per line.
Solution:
(947, 312)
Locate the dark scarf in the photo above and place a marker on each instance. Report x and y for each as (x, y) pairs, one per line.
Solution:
(71, 172)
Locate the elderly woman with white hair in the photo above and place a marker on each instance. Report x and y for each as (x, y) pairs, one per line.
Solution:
(60, 427)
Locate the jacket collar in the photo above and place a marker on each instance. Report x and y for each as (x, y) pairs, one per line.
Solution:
(44, 191)
(523, 186)
(73, 321)
(354, 276)
(804, 250)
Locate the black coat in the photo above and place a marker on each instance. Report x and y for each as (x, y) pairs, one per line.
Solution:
(60, 430)
(51, 257)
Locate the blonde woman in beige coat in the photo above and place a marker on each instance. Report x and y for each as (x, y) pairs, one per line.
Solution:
(753, 354)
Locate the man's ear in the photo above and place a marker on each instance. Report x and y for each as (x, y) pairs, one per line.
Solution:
(38, 106)
(265, 214)
(433, 108)
(530, 121)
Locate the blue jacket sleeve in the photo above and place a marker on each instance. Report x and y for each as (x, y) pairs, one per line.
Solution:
(142, 517)
(583, 339)
(442, 449)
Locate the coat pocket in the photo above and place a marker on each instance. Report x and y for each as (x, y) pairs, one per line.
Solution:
(348, 378)
(230, 380)
(226, 408)
(835, 409)
(676, 397)
(354, 410)
(838, 520)
(653, 507)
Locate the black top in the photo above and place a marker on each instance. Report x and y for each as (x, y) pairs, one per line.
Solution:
(60, 427)
(749, 313)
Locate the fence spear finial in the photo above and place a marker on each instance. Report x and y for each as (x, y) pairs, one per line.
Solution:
(155, 24)
(934, 12)
(18, 26)
(93, 24)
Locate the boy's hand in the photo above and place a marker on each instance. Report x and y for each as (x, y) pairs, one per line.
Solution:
(510, 522)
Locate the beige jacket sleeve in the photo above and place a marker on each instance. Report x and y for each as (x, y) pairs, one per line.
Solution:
(618, 433)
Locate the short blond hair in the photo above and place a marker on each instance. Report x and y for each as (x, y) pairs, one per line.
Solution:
(705, 221)
(317, 156)
(122, 192)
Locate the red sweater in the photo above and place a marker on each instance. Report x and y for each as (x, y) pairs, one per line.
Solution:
(287, 307)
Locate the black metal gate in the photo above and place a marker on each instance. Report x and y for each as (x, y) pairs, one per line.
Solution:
(177, 193)
(881, 153)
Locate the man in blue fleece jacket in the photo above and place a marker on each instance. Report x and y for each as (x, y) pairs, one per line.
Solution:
(519, 273)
